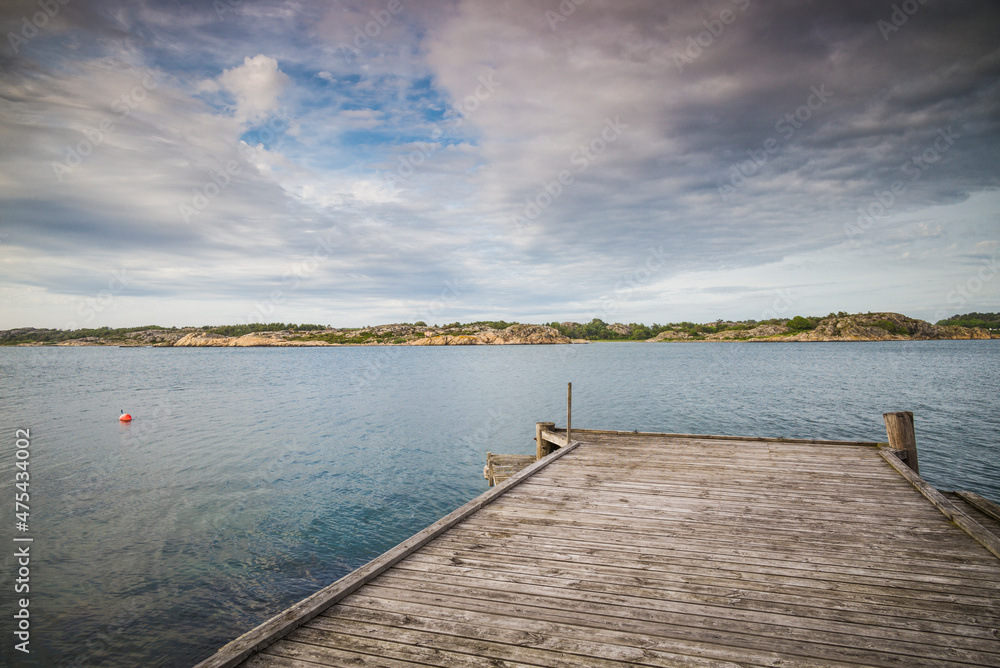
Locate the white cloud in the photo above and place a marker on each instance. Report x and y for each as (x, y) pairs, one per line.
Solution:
(256, 85)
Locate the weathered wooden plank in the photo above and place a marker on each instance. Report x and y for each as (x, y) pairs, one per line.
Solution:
(650, 561)
(709, 631)
(780, 490)
(919, 605)
(555, 437)
(564, 639)
(861, 623)
(691, 453)
(798, 555)
(717, 461)
(324, 644)
(537, 630)
(983, 505)
(652, 440)
(918, 517)
(790, 556)
(687, 522)
(749, 472)
(690, 448)
(950, 510)
(476, 647)
(746, 452)
(351, 651)
(502, 459)
(265, 661)
(835, 496)
(739, 561)
(594, 436)
(501, 467)
(666, 440)
(684, 522)
(969, 600)
(950, 545)
(714, 470)
(760, 601)
(732, 563)
(657, 447)
(719, 537)
(302, 660)
(280, 625)
(656, 506)
(720, 616)
(678, 531)
(736, 477)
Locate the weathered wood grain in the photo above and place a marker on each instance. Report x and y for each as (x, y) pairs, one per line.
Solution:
(984, 506)
(902, 438)
(501, 467)
(949, 509)
(706, 632)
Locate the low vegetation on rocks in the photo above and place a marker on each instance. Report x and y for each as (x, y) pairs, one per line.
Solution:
(834, 327)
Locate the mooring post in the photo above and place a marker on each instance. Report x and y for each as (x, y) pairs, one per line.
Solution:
(541, 447)
(899, 429)
(569, 411)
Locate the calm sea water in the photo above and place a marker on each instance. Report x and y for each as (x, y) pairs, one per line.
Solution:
(249, 478)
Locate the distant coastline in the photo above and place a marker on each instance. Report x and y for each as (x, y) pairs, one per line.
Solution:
(835, 327)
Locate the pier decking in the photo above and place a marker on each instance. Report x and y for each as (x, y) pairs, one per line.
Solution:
(500, 467)
(669, 550)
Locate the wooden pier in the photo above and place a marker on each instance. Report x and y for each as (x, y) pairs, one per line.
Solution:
(500, 467)
(625, 549)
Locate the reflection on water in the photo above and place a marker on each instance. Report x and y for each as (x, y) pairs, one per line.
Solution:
(249, 478)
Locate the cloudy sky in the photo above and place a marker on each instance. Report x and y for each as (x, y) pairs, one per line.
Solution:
(353, 162)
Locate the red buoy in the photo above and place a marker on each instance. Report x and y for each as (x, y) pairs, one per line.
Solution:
(125, 417)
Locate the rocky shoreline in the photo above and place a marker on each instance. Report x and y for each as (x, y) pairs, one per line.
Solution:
(857, 327)
(382, 335)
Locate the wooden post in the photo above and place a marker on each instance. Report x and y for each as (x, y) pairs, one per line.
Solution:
(541, 447)
(899, 429)
(569, 411)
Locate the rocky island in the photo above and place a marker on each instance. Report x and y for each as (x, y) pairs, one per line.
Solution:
(857, 327)
(381, 335)
(834, 327)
